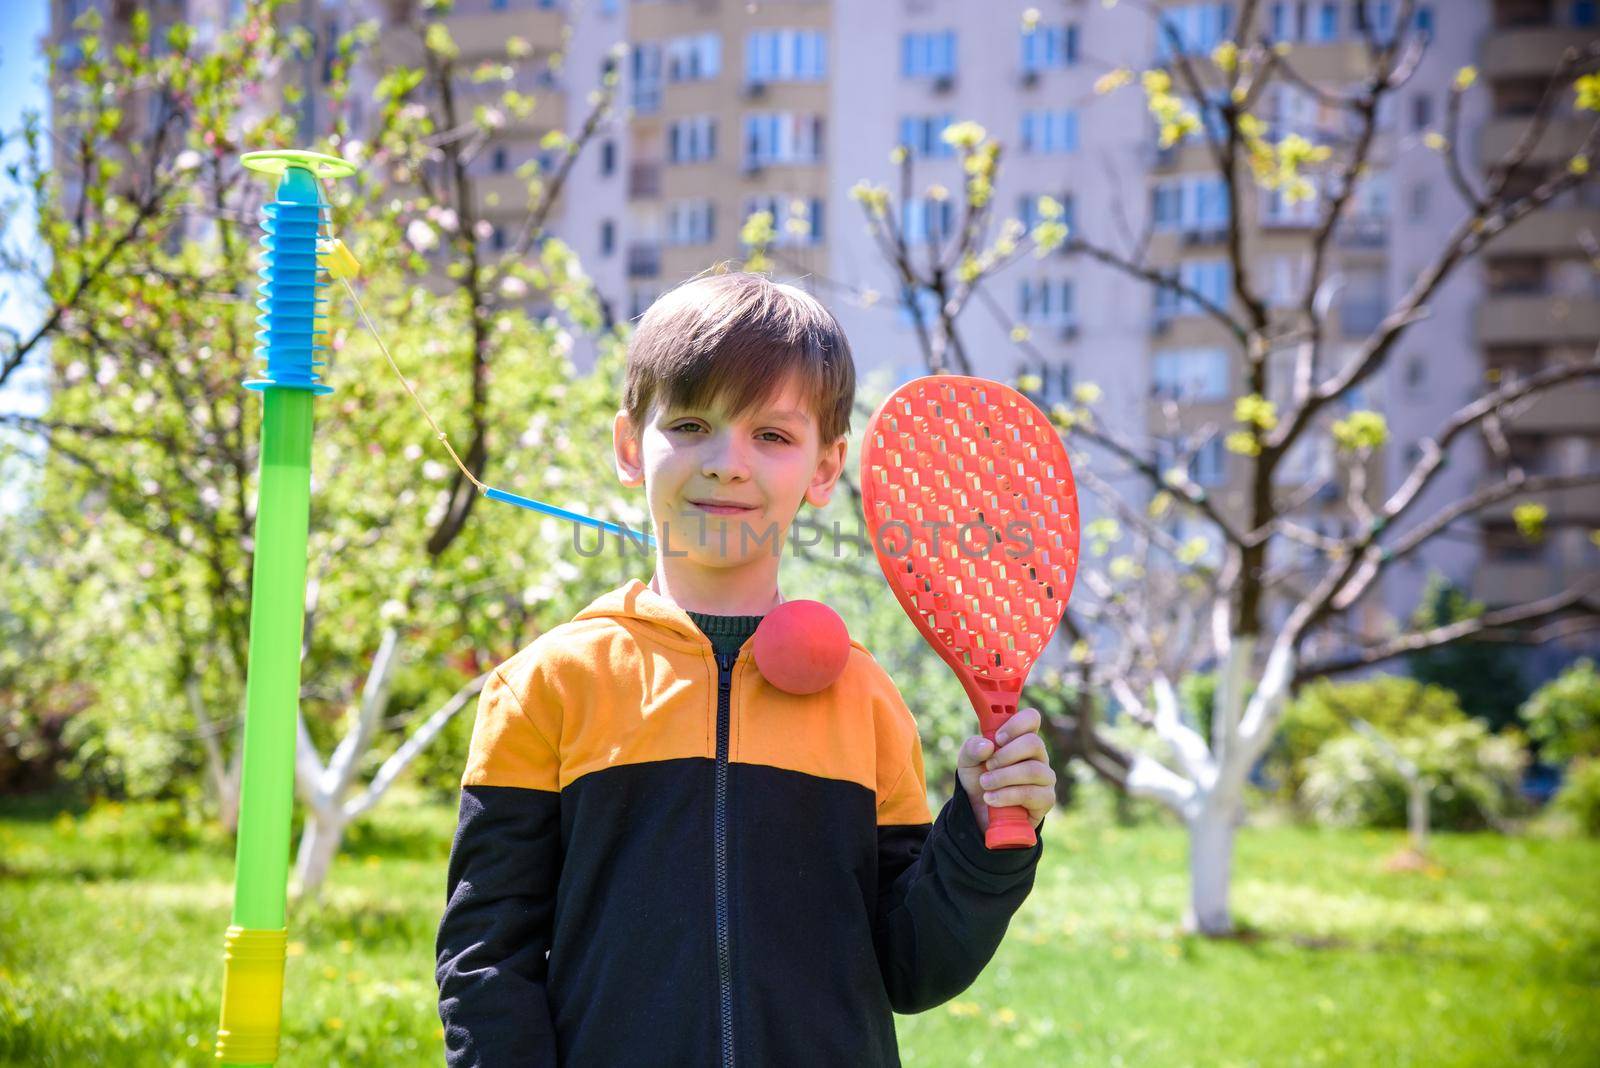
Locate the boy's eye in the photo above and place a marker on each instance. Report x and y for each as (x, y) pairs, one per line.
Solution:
(772, 435)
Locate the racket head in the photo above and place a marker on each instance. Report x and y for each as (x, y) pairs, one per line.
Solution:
(975, 454)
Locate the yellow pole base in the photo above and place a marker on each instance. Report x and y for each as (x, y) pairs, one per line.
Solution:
(252, 996)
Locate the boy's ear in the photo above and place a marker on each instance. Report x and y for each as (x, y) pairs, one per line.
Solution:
(830, 465)
(625, 446)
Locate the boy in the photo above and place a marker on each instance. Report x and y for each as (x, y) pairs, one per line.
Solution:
(661, 858)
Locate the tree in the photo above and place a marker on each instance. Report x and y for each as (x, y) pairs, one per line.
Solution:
(148, 442)
(1176, 605)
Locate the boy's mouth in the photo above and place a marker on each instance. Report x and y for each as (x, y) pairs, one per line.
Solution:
(717, 507)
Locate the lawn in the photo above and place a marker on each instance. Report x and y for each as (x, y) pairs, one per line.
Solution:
(111, 926)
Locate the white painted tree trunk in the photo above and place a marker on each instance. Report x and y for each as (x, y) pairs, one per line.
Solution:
(1205, 786)
(224, 775)
(1417, 814)
(319, 844)
(331, 792)
(1211, 867)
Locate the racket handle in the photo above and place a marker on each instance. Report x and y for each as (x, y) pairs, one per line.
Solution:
(1010, 827)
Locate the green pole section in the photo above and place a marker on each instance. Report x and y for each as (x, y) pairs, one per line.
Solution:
(277, 614)
(255, 944)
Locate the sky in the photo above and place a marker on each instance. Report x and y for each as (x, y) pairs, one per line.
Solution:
(22, 89)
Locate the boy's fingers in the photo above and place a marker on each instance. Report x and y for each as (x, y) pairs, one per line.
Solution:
(1030, 797)
(1027, 773)
(974, 751)
(1025, 720)
(1028, 747)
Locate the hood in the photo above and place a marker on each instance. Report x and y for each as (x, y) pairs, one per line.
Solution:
(635, 600)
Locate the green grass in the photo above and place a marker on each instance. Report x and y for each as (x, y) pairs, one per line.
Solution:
(111, 926)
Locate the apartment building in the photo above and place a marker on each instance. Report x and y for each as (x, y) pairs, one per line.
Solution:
(730, 107)
(1541, 305)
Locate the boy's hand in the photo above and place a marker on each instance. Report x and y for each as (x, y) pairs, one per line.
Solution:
(1017, 773)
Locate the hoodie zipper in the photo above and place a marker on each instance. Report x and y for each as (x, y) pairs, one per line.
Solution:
(720, 858)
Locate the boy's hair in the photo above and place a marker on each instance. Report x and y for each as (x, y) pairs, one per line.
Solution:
(738, 336)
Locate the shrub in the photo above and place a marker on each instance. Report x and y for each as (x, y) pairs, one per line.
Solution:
(1579, 798)
(1350, 782)
(1563, 715)
(1397, 707)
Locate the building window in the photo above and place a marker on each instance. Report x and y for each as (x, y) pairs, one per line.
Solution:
(1585, 13)
(1045, 301)
(498, 160)
(924, 220)
(1047, 132)
(1211, 279)
(927, 306)
(1289, 21)
(1191, 203)
(1198, 28)
(796, 221)
(608, 237)
(1278, 210)
(1328, 21)
(785, 56)
(1209, 465)
(694, 58)
(782, 137)
(608, 158)
(928, 55)
(691, 222)
(1049, 47)
(1421, 111)
(692, 140)
(497, 239)
(921, 135)
(647, 78)
(1189, 375)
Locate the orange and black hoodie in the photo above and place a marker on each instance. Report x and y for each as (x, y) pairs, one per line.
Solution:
(662, 859)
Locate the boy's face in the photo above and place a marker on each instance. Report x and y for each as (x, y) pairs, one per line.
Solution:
(768, 461)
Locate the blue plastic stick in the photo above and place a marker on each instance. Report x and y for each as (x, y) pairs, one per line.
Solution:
(576, 517)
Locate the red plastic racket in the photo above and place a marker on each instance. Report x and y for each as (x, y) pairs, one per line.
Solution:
(973, 514)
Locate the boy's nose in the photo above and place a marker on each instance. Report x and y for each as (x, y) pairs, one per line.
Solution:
(724, 458)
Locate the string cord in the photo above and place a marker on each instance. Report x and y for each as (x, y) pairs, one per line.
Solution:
(440, 434)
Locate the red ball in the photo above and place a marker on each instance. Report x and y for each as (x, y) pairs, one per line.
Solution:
(801, 647)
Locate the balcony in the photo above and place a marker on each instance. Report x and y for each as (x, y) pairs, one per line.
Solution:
(1551, 230)
(1561, 140)
(1499, 582)
(644, 181)
(1363, 231)
(1576, 504)
(483, 35)
(1571, 406)
(1510, 53)
(1538, 318)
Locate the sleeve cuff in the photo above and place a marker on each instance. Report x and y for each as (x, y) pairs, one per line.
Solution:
(960, 825)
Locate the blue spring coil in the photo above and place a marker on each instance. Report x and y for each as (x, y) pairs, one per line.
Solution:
(291, 301)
